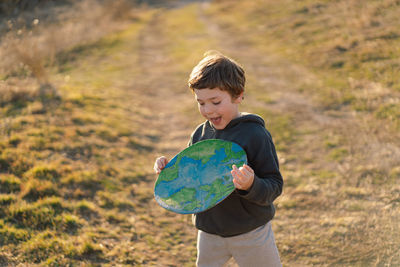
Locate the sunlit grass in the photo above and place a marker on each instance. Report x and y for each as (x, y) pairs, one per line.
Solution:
(59, 156)
(337, 40)
(76, 183)
(346, 55)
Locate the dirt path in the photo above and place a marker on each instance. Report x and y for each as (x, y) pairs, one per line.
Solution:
(164, 235)
(159, 84)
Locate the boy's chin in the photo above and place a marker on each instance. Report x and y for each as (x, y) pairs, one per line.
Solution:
(218, 126)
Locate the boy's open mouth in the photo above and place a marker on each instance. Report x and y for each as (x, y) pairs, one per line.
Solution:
(216, 120)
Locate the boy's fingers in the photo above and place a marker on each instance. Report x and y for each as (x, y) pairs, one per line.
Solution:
(237, 184)
(247, 167)
(160, 163)
(237, 175)
(246, 172)
(235, 172)
(243, 173)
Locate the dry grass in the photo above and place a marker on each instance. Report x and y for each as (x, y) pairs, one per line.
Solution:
(341, 165)
(63, 156)
(343, 42)
(10, 92)
(76, 181)
(29, 50)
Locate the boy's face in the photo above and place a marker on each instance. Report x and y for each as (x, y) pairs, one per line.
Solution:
(217, 106)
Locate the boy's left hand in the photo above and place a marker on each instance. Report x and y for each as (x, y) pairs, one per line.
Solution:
(243, 177)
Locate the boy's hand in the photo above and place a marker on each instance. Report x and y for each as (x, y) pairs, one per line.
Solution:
(243, 177)
(160, 164)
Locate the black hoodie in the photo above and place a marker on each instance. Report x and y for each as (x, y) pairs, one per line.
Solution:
(243, 211)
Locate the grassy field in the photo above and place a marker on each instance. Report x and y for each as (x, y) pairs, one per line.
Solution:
(90, 97)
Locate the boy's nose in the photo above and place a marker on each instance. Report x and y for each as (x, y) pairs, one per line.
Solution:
(208, 109)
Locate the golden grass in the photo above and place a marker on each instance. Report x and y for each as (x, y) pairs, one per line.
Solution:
(338, 166)
(344, 43)
(70, 147)
(76, 181)
(29, 50)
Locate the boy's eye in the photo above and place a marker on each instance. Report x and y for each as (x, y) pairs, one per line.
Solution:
(201, 104)
(216, 103)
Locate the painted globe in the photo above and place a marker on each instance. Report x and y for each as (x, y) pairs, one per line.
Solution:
(199, 177)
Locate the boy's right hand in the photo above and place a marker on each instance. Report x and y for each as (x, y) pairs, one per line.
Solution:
(160, 164)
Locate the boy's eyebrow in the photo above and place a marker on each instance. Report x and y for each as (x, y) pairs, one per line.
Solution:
(211, 98)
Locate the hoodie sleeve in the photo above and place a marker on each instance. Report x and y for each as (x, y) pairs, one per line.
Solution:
(195, 136)
(262, 158)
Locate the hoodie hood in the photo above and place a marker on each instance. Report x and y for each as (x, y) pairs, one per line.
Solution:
(244, 117)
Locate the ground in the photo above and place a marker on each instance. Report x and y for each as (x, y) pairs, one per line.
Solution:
(125, 101)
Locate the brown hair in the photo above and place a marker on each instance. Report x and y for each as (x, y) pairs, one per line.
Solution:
(217, 70)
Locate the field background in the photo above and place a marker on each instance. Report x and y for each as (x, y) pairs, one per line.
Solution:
(91, 92)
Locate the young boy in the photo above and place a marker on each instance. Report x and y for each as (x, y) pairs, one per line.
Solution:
(239, 226)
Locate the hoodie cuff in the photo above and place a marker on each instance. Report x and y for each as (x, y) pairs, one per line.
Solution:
(252, 192)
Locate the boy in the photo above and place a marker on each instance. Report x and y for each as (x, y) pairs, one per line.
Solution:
(239, 226)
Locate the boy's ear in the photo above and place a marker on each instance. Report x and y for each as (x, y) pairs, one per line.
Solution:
(239, 99)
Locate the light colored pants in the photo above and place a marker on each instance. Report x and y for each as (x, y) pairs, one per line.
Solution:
(253, 249)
